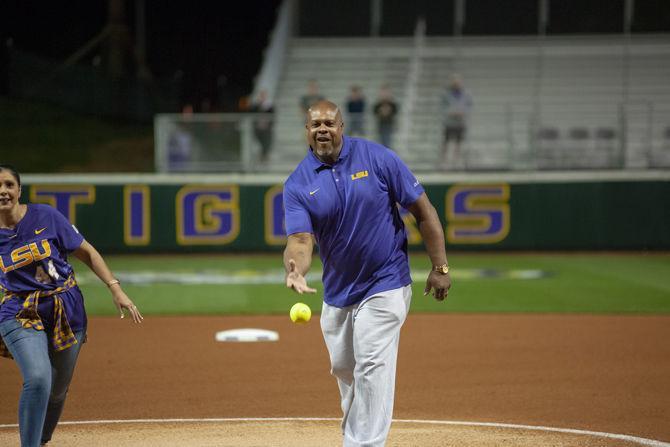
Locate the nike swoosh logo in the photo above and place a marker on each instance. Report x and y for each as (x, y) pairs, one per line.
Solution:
(39, 231)
(311, 193)
(12, 237)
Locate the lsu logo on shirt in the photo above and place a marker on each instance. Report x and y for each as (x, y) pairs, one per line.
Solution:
(26, 255)
(359, 174)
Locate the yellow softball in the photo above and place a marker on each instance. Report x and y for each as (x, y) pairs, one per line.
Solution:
(300, 313)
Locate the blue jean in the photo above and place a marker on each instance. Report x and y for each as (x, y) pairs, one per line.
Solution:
(46, 378)
(385, 134)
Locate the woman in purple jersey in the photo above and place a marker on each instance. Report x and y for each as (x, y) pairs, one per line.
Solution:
(42, 315)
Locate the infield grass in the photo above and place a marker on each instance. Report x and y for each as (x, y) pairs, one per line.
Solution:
(570, 283)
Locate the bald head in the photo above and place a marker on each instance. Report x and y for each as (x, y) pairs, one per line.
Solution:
(324, 106)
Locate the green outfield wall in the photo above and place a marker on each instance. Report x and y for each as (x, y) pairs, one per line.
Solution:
(167, 216)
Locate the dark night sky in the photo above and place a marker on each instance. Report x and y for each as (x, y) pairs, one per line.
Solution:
(205, 40)
(202, 39)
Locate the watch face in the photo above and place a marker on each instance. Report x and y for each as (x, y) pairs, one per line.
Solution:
(444, 269)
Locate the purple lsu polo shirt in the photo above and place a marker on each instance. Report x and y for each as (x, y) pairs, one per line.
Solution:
(350, 207)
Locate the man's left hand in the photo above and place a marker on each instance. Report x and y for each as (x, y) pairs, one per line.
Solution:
(439, 283)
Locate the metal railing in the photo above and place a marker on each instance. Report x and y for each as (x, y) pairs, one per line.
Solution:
(499, 137)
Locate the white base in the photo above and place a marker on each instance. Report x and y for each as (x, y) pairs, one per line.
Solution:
(246, 335)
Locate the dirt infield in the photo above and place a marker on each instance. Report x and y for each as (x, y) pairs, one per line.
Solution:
(311, 434)
(590, 373)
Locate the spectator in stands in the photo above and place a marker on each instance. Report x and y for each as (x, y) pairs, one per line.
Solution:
(456, 106)
(385, 111)
(310, 97)
(263, 122)
(180, 147)
(180, 142)
(356, 111)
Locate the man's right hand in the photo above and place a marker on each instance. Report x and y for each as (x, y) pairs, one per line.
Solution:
(295, 280)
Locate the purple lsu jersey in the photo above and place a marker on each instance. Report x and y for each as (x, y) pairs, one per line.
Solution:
(33, 256)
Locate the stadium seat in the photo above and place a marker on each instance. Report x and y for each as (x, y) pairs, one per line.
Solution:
(548, 148)
(605, 151)
(578, 151)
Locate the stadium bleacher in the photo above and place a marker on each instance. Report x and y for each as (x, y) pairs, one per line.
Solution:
(521, 87)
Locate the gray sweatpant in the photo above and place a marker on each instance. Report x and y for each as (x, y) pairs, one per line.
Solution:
(362, 341)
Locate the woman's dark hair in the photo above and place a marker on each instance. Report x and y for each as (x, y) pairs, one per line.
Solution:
(12, 170)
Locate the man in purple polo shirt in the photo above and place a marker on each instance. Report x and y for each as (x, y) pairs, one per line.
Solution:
(343, 195)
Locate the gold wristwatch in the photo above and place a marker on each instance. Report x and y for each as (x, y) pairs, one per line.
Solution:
(444, 268)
